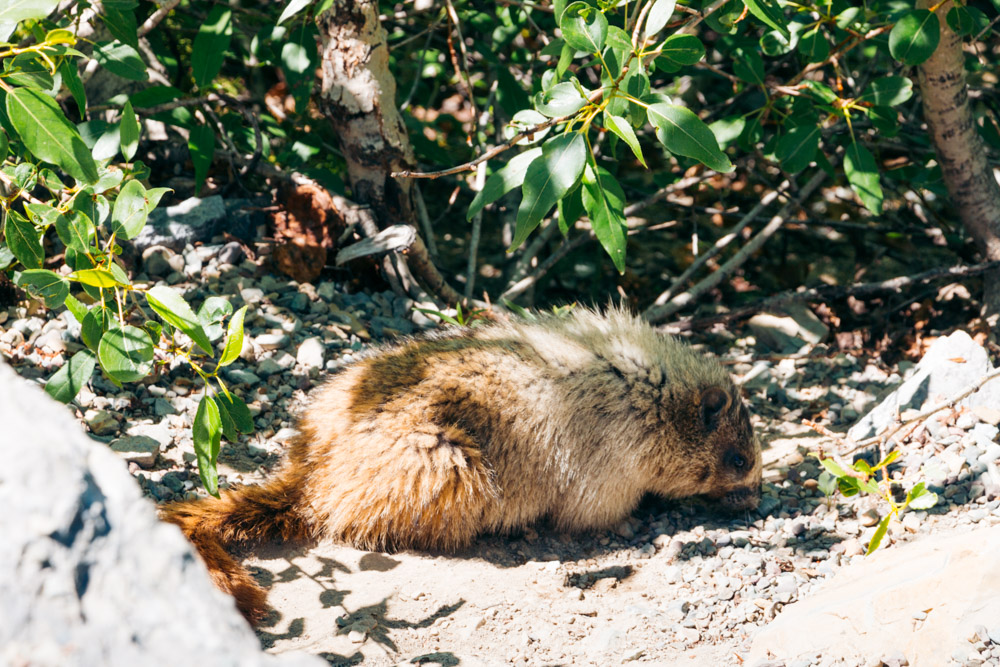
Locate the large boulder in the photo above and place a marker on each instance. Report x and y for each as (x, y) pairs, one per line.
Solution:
(921, 600)
(88, 574)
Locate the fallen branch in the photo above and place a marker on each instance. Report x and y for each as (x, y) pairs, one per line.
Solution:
(658, 313)
(724, 241)
(835, 292)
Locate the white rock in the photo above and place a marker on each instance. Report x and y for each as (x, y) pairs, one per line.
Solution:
(271, 340)
(957, 579)
(311, 353)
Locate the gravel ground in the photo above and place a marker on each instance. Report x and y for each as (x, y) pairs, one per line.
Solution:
(676, 579)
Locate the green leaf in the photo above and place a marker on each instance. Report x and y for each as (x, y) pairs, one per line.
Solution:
(833, 467)
(48, 135)
(237, 410)
(121, 24)
(293, 8)
(919, 498)
(889, 459)
(207, 434)
(126, 353)
(234, 338)
(561, 99)
(961, 20)
(121, 59)
(814, 47)
(171, 306)
(130, 212)
(229, 431)
(6, 257)
(770, 13)
(798, 148)
(95, 322)
(503, 181)
(623, 129)
(76, 309)
(102, 278)
(23, 239)
(569, 210)
(749, 67)
(883, 526)
(862, 174)
(683, 133)
(658, 16)
(153, 196)
(15, 11)
(211, 313)
(604, 201)
(827, 483)
(44, 284)
(210, 45)
(888, 91)
(849, 486)
(915, 37)
(201, 143)
(619, 39)
(862, 466)
(681, 50)
(129, 132)
(550, 176)
(67, 382)
(584, 27)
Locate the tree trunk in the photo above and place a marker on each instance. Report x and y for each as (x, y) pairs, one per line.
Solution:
(358, 98)
(960, 149)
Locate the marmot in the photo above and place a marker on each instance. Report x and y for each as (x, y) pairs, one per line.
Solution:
(432, 441)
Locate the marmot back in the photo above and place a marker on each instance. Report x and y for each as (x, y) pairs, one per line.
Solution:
(435, 440)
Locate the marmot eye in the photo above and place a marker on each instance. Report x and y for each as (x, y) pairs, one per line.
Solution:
(737, 460)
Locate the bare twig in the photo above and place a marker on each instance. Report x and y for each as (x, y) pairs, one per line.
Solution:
(24, 194)
(521, 286)
(883, 438)
(425, 222)
(720, 244)
(668, 190)
(496, 150)
(658, 313)
(835, 292)
(157, 16)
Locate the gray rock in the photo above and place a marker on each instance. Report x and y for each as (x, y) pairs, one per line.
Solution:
(160, 432)
(155, 261)
(89, 575)
(950, 365)
(272, 340)
(240, 376)
(139, 449)
(176, 226)
(252, 295)
(163, 407)
(101, 422)
(268, 367)
(231, 253)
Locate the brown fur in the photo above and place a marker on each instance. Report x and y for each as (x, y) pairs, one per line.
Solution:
(432, 442)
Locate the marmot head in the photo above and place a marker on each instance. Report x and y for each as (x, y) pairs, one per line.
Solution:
(728, 465)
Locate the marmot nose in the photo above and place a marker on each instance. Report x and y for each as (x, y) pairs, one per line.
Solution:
(745, 498)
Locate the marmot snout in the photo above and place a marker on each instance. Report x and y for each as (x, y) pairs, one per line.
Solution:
(432, 441)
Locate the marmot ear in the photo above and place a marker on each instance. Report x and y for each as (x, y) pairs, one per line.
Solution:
(714, 402)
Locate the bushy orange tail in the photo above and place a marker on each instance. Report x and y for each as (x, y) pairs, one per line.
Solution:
(241, 516)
